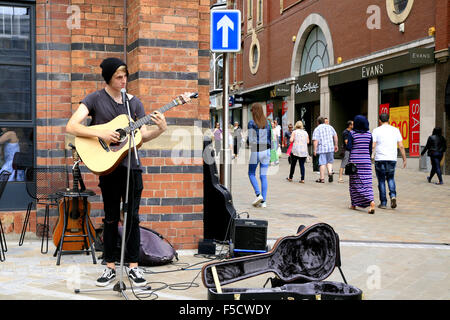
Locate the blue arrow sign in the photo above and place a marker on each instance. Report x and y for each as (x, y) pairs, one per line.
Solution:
(225, 31)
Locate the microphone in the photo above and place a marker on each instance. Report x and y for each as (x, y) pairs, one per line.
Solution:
(123, 91)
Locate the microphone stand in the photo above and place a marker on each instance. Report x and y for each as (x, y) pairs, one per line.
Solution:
(120, 285)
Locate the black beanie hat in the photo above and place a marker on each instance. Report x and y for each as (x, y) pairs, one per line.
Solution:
(109, 67)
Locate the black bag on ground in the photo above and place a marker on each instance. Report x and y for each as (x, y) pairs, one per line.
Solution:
(154, 250)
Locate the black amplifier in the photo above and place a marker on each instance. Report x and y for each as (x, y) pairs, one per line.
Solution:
(248, 237)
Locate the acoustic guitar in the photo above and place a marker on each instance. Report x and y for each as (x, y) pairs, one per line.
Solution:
(102, 158)
(78, 208)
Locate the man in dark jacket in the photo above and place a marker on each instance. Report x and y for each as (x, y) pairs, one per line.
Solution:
(436, 147)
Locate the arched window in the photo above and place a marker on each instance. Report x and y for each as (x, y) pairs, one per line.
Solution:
(315, 53)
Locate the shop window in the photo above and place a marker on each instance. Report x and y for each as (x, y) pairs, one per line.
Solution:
(315, 53)
(399, 93)
(16, 100)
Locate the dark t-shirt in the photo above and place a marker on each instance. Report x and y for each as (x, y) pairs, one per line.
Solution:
(345, 136)
(103, 108)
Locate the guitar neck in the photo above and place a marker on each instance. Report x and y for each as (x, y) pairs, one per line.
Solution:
(148, 118)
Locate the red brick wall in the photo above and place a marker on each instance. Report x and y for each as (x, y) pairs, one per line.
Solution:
(167, 54)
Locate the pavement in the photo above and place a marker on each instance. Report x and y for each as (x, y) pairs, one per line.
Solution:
(394, 254)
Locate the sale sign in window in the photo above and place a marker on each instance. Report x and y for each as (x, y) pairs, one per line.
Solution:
(414, 128)
(399, 117)
(384, 108)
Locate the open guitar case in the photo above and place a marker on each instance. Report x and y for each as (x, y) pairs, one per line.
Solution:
(301, 264)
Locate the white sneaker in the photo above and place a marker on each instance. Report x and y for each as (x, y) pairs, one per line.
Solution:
(262, 205)
(257, 201)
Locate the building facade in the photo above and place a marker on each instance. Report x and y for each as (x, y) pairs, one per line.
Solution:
(50, 52)
(337, 59)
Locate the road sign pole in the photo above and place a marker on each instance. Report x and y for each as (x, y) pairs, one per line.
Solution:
(225, 163)
(225, 36)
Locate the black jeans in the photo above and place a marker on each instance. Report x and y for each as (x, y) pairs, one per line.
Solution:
(301, 162)
(113, 187)
(436, 158)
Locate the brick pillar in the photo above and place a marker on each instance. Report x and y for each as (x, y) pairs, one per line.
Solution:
(167, 54)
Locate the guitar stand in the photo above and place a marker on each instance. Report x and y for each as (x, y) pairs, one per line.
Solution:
(86, 224)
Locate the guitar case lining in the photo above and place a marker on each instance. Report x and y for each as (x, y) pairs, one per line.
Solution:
(301, 264)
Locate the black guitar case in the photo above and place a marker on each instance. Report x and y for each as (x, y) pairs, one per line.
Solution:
(300, 262)
(218, 209)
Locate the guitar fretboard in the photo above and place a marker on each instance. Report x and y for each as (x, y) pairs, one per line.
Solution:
(148, 118)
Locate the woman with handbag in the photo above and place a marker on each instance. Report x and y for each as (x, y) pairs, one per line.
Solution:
(360, 147)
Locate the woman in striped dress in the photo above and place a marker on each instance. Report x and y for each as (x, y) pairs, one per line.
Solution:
(360, 146)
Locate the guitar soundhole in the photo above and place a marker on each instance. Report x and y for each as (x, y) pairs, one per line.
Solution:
(123, 135)
(122, 139)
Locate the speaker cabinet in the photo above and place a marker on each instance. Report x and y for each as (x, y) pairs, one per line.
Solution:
(248, 237)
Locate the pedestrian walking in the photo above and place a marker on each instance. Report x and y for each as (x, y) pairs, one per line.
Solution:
(274, 154)
(217, 138)
(287, 135)
(436, 147)
(287, 144)
(299, 140)
(386, 139)
(345, 152)
(237, 138)
(260, 142)
(359, 144)
(325, 143)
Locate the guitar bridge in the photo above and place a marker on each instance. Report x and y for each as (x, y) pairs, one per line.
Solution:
(103, 144)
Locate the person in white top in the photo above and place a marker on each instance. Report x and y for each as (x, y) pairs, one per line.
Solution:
(300, 140)
(386, 139)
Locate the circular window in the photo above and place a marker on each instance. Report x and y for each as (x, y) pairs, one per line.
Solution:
(400, 6)
(254, 55)
(398, 10)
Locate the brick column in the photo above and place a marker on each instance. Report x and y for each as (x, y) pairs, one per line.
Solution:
(167, 52)
(167, 55)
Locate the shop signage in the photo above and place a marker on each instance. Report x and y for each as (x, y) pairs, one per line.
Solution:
(372, 70)
(269, 110)
(414, 128)
(282, 90)
(238, 99)
(421, 55)
(399, 117)
(414, 59)
(384, 108)
(307, 88)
